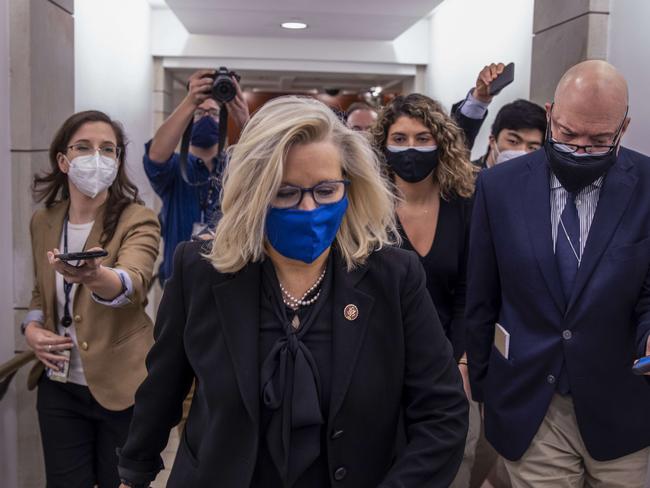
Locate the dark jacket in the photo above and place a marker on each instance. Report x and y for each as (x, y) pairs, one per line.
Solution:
(470, 127)
(514, 281)
(391, 364)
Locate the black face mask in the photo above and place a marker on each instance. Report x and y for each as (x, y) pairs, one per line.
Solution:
(576, 172)
(412, 165)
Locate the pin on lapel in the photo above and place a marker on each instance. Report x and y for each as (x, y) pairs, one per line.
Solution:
(351, 312)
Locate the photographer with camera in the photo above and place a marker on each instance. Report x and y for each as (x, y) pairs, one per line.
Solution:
(190, 189)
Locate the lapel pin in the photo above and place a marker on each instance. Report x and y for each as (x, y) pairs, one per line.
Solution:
(351, 312)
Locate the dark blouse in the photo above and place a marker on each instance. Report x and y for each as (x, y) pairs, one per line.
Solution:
(445, 266)
(315, 334)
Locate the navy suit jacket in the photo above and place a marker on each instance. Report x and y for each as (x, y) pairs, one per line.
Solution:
(513, 281)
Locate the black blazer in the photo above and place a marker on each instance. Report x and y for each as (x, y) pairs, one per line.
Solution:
(392, 366)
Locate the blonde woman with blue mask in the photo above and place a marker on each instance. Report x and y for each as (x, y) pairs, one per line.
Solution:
(316, 349)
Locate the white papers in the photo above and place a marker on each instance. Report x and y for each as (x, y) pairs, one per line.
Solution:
(502, 340)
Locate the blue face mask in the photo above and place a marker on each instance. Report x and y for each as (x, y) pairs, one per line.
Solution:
(205, 132)
(304, 234)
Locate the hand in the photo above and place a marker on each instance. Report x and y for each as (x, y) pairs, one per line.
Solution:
(238, 108)
(199, 86)
(45, 344)
(487, 75)
(87, 272)
(464, 373)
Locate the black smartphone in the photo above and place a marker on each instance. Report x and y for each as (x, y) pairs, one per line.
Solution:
(79, 256)
(642, 366)
(506, 77)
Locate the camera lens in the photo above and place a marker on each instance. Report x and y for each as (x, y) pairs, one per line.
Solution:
(224, 89)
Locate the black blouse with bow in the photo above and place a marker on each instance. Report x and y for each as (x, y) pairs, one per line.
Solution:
(295, 382)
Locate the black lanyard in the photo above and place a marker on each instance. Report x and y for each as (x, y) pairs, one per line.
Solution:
(66, 320)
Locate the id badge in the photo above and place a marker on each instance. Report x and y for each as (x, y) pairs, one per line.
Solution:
(201, 232)
(62, 375)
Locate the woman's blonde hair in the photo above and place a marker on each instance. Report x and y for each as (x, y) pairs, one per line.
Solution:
(455, 173)
(254, 174)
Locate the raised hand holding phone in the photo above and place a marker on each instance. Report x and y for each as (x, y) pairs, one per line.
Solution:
(506, 77)
(488, 77)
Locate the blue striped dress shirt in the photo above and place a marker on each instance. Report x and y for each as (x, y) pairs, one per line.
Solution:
(586, 203)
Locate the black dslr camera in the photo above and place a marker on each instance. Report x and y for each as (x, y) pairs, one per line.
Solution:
(223, 88)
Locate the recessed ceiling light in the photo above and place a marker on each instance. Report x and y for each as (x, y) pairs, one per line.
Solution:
(294, 25)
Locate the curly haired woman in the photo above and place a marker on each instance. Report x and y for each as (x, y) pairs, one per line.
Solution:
(426, 157)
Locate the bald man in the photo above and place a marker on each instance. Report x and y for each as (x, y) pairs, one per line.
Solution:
(361, 116)
(558, 295)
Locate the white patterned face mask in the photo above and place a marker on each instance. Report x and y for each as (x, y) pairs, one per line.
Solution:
(92, 174)
(508, 155)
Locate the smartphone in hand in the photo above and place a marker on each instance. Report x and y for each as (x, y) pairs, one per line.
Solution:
(506, 77)
(80, 256)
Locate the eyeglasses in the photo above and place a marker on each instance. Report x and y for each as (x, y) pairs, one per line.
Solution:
(324, 193)
(199, 113)
(108, 150)
(593, 149)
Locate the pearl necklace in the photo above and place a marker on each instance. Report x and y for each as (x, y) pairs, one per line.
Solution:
(295, 303)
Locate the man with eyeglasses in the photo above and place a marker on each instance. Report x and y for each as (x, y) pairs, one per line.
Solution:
(558, 297)
(190, 203)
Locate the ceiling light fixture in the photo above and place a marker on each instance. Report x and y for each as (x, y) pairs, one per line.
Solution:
(294, 25)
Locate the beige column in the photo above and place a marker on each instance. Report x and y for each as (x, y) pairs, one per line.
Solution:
(162, 93)
(41, 40)
(566, 32)
(8, 429)
(163, 87)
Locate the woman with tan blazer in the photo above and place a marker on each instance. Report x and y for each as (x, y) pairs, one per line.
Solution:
(87, 324)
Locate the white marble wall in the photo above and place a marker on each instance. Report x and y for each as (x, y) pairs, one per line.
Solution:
(566, 32)
(41, 41)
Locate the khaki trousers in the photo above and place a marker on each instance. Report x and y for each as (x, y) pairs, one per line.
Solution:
(558, 458)
(488, 471)
(464, 474)
(480, 461)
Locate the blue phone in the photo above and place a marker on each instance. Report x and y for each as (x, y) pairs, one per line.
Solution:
(642, 366)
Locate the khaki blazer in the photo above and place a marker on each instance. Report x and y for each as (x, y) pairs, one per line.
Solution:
(113, 342)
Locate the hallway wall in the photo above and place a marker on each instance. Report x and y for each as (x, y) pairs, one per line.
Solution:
(465, 36)
(114, 72)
